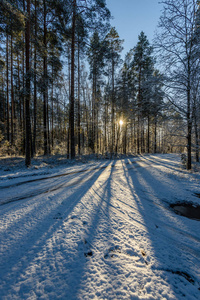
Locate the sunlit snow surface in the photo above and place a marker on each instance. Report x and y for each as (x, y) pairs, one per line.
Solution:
(103, 230)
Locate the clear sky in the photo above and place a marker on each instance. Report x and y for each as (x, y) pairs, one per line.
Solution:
(133, 16)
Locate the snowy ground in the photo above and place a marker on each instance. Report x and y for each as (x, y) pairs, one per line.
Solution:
(102, 230)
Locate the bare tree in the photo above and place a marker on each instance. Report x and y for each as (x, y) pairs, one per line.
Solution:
(176, 47)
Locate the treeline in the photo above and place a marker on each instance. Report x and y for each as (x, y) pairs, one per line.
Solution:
(64, 88)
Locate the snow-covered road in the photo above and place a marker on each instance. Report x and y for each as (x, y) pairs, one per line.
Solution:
(100, 231)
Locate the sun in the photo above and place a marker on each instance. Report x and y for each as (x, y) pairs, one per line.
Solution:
(121, 122)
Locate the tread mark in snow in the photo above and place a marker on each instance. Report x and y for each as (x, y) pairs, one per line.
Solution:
(51, 177)
(47, 190)
(58, 216)
(112, 250)
(88, 252)
(183, 274)
(144, 255)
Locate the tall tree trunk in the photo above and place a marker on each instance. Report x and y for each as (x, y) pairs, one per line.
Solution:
(135, 134)
(117, 139)
(196, 132)
(105, 126)
(19, 96)
(69, 84)
(23, 84)
(7, 88)
(148, 134)
(132, 136)
(86, 121)
(125, 137)
(93, 138)
(45, 83)
(72, 137)
(12, 91)
(35, 86)
(189, 123)
(97, 128)
(52, 111)
(95, 114)
(48, 133)
(139, 141)
(138, 132)
(155, 134)
(113, 108)
(4, 106)
(142, 138)
(27, 105)
(79, 113)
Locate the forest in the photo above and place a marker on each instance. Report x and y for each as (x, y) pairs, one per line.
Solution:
(64, 88)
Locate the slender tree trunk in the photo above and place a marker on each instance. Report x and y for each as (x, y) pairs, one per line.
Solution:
(45, 83)
(79, 113)
(72, 137)
(196, 133)
(189, 146)
(105, 127)
(117, 140)
(189, 123)
(139, 115)
(69, 83)
(93, 140)
(113, 108)
(138, 133)
(142, 138)
(4, 106)
(19, 96)
(96, 145)
(135, 134)
(97, 128)
(85, 141)
(132, 135)
(52, 111)
(155, 134)
(27, 105)
(7, 88)
(35, 86)
(48, 125)
(20, 100)
(125, 137)
(12, 91)
(148, 135)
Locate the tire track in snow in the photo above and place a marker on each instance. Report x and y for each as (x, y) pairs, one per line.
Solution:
(57, 176)
(46, 190)
(50, 177)
(124, 214)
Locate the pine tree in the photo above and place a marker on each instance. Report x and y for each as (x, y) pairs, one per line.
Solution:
(93, 14)
(96, 56)
(143, 68)
(114, 45)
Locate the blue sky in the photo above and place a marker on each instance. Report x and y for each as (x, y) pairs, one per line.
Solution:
(133, 16)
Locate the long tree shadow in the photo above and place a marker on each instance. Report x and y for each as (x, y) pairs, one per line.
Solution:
(173, 188)
(175, 165)
(157, 193)
(31, 188)
(99, 235)
(42, 189)
(26, 248)
(174, 263)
